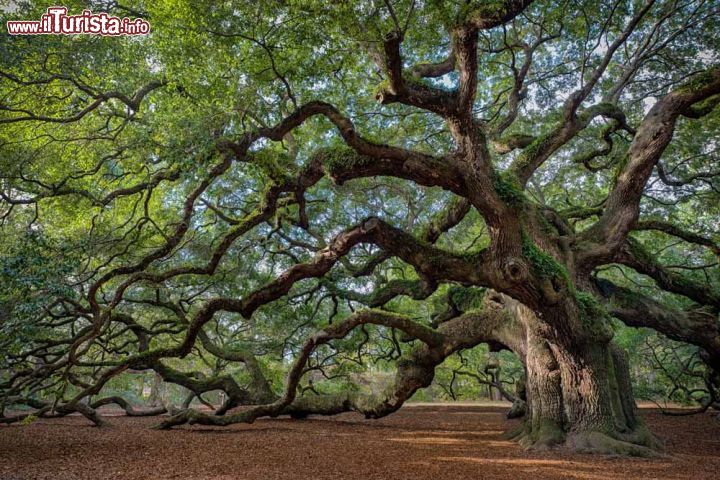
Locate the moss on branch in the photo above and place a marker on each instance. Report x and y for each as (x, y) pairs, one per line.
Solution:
(337, 160)
(544, 265)
(508, 189)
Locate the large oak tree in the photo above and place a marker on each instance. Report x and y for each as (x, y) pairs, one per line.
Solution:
(279, 177)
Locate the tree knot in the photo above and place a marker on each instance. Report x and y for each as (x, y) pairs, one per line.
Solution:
(515, 270)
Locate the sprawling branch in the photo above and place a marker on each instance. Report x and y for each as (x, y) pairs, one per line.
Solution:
(676, 231)
(492, 15)
(542, 147)
(409, 90)
(653, 136)
(416, 371)
(697, 326)
(577, 97)
(635, 256)
(132, 102)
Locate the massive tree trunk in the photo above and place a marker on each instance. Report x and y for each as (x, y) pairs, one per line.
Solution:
(578, 391)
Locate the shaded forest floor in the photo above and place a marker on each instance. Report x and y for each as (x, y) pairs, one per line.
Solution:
(419, 442)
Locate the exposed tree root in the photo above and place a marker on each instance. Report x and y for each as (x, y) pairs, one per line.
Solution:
(639, 443)
(546, 436)
(601, 443)
(518, 409)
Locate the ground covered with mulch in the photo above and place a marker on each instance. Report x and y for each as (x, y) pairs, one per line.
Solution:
(419, 442)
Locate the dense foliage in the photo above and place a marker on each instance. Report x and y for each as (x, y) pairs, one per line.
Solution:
(211, 204)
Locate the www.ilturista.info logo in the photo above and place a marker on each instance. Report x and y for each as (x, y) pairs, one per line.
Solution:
(57, 22)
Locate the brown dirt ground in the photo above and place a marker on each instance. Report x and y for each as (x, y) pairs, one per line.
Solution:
(421, 442)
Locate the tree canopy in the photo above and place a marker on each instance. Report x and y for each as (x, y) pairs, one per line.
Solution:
(275, 199)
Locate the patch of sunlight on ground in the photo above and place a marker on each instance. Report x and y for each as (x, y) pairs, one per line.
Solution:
(454, 432)
(554, 468)
(431, 440)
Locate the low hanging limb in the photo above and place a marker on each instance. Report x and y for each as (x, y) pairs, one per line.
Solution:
(416, 370)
